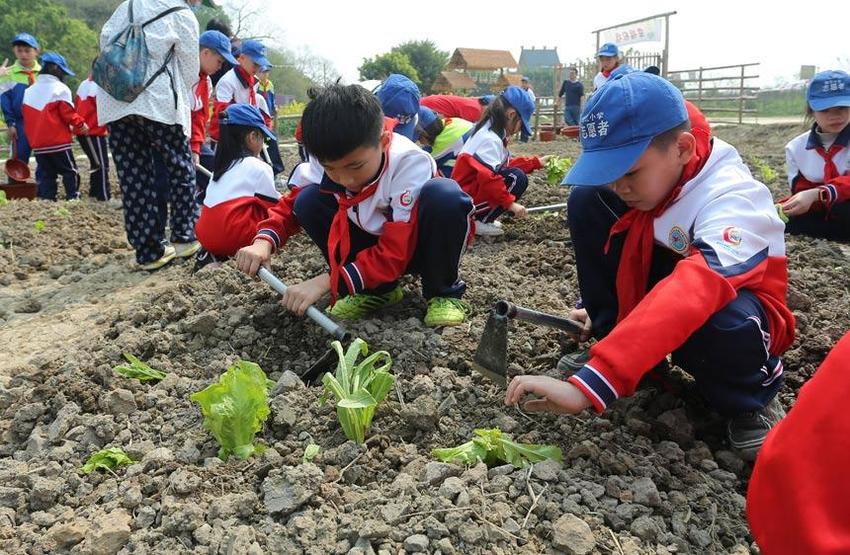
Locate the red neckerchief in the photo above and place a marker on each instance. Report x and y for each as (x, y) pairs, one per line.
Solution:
(203, 92)
(830, 171)
(607, 74)
(636, 259)
(339, 242)
(249, 81)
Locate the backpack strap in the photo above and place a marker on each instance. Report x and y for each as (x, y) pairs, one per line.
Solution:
(169, 11)
(130, 11)
(168, 58)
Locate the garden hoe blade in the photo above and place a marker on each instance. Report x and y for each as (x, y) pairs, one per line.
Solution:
(491, 358)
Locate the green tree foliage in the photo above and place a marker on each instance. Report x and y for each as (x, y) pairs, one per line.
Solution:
(93, 12)
(427, 59)
(55, 30)
(382, 65)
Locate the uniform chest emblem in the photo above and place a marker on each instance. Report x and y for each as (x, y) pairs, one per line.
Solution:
(406, 198)
(732, 236)
(678, 240)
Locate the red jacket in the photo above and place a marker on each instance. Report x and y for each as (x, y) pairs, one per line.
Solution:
(86, 103)
(478, 167)
(468, 108)
(49, 115)
(798, 494)
(200, 112)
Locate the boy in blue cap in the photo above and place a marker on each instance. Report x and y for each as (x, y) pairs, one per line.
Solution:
(19, 76)
(374, 209)
(485, 169)
(49, 117)
(609, 59)
(701, 272)
(819, 163)
(399, 98)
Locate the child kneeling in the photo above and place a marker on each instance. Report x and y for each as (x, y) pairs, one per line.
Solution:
(701, 272)
(242, 188)
(375, 210)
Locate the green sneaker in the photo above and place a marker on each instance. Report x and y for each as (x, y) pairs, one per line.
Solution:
(354, 307)
(446, 311)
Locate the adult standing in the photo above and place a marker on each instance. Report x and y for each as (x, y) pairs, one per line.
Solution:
(156, 123)
(572, 90)
(609, 58)
(525, 83)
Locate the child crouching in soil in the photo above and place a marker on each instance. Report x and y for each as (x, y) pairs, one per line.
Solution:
(700, 271)
(819, 163)
(242, 188)
(376, 212)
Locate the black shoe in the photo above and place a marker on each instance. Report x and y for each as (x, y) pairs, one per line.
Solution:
(205, 258)
(571, 363)
(746, 432)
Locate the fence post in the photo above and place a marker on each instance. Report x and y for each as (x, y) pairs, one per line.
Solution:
(741, 97)
(536, 134)
(699, 91)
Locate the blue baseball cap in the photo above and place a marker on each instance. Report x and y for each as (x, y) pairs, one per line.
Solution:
(245, 114)
(25, 38)
(522, 103)
(623, 69)
(618, 123)
(216, 40)
(608, 49)
(427, 116)
(829, 89)
(54, 58)
(487, 99)
(399, 98)
(255, 50)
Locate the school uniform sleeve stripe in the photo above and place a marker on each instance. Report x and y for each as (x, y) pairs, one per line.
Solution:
(269, 235)
(353, 279)
(594, 382)
(713, 260)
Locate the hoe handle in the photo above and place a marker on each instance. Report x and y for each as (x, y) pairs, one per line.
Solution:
(312, 312)
(509, 310)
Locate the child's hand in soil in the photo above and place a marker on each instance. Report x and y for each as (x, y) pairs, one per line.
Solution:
(298, 298)
(580, 315)
(249, 259)
(518, 210)
(556, 396)
(800, 203)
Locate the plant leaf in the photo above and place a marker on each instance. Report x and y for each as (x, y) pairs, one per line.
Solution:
(492, 445)
(107, 459)
(469, 453)
(235, 408)
(310, 453)
(556, 169)
(138, 370)
(360, 399)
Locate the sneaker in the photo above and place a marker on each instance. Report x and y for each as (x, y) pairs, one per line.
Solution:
(167, 256)
(571, 363)
(354, 307)
(205, 258)
(446, 311)
(484, 229)
(185, 250)
(746, 432)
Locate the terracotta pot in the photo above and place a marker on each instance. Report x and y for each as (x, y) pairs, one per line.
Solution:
(19, 190)
(570, 131)
(546, 135)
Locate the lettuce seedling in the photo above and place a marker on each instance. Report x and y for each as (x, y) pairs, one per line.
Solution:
(556, 169)
(235, 408)
(358, 388)
(138, 370)
(493, 446)
(107, 459)
(310, 453)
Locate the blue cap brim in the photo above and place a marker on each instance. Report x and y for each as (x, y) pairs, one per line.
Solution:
(68, 72)
(601, 167)
(407, 129)
(228, 57)
(261, 61)
(268, 133)
(821, 104)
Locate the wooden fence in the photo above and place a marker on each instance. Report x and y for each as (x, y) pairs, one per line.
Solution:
(724, 92)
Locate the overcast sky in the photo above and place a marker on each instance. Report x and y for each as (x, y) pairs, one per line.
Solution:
(720, 32)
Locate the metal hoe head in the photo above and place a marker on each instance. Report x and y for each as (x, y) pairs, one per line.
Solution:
(491, 358)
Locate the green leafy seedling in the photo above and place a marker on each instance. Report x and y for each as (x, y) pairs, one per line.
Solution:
(107, 459)
(63, 212)
(492, 446)
(235, 408)
(138, 370)
(310, 453)
(556, 168)
(3, 199)
(358, 387)
(39, 225)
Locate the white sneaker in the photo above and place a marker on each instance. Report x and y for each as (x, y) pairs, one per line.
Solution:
(167, 256)
(488, 230)
(185, 250)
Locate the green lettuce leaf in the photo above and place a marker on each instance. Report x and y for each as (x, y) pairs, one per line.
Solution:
(556, 168)
(107, 459)
(138, 370)
(492, 446)
(235, 408)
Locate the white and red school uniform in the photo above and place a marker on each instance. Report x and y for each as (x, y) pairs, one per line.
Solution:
(811, 164)
(86, 105)
(200, 112)
(724, 223)
(49, 115)
(95, 146)
(479, 164)
(386, 208)
(234, 206)
(235, 87)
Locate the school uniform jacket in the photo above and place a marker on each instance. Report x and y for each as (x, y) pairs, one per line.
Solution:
(450, 106)
(807, 168)
(479, 164)
(49, 115)
(725, 226)
(200, 112)
(86, 104)
(235, 87)
(12, 90)
(234, 205)
(390, 213)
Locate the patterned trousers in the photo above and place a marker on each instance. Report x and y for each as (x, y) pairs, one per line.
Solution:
(134, 141)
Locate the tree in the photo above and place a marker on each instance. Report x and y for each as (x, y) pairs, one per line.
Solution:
(93, 12)
(426, 58)
(54, 29)
(382, 65)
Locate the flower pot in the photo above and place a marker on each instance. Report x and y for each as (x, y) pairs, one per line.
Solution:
(24, 190)
(546, 135)
(570, 131)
